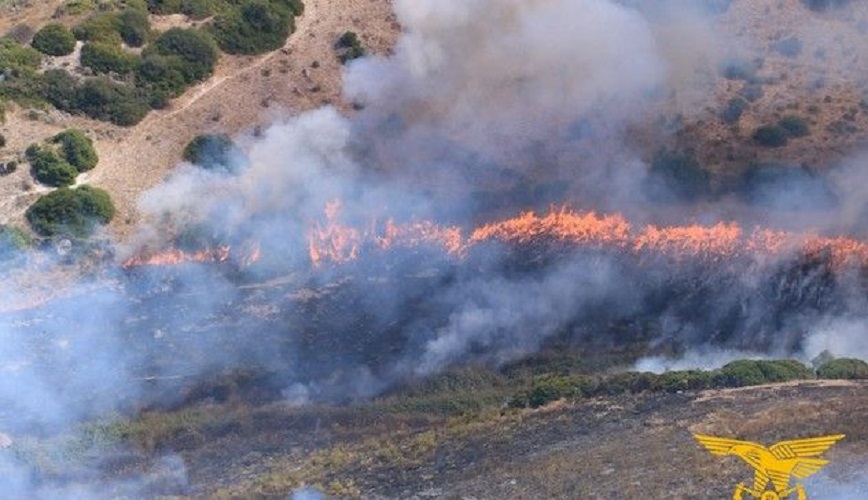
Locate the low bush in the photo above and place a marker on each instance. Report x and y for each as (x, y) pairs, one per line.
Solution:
(771, 136)
(843, 368)
(77, 148)
(349, 47)
(49, 168)
(71, 212)
(134, 27)
(12, 241)
(795, 126)
(788, 47)
(15, 58)
(755, 372)
(102, 27)
(255, 27)
(196, 52)
(677, 175)
(103, 99)
(214, 152)
(547, 388)
(54, 39)
(733, 110)
(107, 58)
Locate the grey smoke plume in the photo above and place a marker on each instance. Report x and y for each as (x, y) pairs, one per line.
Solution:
(486, 107)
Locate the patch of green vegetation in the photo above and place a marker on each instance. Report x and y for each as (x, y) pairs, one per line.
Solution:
(107, 100)
(134, 27)
(108, 58)
(843, 368)
(193, 48)
(255, 26)
(77, 149)
(349, 47)
(771, 136)
(48, 168)
(72, 212)
(678, 174)
(735, 107)
(214, 152)
(796, 126)
(101, 27)
(54, 39)
(13, 241)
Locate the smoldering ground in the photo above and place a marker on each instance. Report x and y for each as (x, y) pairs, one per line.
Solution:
(485, 108)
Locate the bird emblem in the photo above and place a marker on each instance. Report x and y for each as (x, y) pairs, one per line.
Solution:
(777, 464)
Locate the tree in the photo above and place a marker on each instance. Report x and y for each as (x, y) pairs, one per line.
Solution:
(843, 368)
(77, 148)
(107, 58)
(771, 136)
(258, 26)
(54, 39)
(215, 152)
(349, 47)
(795, 126)
(103, 27)
(195, 49)
(103, 99)
(71, 212)
(134, 27)
(49, 168)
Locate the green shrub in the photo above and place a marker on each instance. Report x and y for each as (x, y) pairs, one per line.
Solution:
(107, 58)
(195, 49)
(2, 140)
(686, 380)
(103, 99)
(59, 88)
(771, 136)
(680, 175)
(15, 58)
(843, 368)
(54, 39)
(547, 388)
(795, 126)
(349, 47)
(77, 148)
(256, 27)
(49, 168)
(72, 212)
(13, 240)
(134, 28)
(164, 7)
(214, 152)
(103, 27)
(788, 47)
(733, 111)
(755, 372)
(198, 9)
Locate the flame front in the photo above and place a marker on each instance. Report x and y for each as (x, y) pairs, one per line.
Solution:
(336, 242)
(176, 256)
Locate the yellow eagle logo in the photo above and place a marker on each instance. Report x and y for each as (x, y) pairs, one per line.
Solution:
(776, 464)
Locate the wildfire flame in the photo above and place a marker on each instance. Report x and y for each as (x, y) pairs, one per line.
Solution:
(175, 256)
(336, 242)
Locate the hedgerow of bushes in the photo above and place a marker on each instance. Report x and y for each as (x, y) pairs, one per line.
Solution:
(546, 388)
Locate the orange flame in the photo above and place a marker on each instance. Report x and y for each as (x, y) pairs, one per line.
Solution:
(336, 242)
(175, 256)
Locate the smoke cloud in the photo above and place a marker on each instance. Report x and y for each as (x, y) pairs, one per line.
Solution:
(486, 107)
